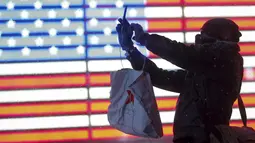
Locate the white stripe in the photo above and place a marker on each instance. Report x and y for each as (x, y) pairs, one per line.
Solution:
(99, 92)
(104, 92)
(164, 64)
(164, 93)
(43, 95)
(42, 68)
(248, 87)
(219, 11)
(107, 65)
(103, 65)
(236, 113)
(178, 36)
(44, 122)
(99, 120)
(163, 12)
(249, 61)
(167, 117)
(190, 36)
(247, 36)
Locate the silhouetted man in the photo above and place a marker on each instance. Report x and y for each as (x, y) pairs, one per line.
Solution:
(209, 78)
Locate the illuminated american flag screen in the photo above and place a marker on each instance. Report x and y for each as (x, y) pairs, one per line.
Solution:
(56, 55)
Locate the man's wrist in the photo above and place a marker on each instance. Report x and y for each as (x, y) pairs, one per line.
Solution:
(143, 39)
(127, 44)
(130, 49)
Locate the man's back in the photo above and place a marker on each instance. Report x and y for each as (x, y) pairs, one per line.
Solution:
(207, 98)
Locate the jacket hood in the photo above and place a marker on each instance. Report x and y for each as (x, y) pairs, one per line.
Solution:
(204, 39)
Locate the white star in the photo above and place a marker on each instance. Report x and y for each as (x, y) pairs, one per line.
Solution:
(25, 51)
(1, 52)
(67, 41)
(11, 23)
(10, 5)
(94, 40)
(52, 14)
(24, 14)
(108, 48)
(92, 4)
(25, 32)
(93, 22)
(38, 23)
(66, 22)
(53, 50)
(132, 12)
(0, 33)
(53, 32)
(80, 49)
(39, 41)
(80, 31)
(119, 3)
(11, 42)
(38, 5)
(107, 31)
(106, 13)
(65, 4)
(78, 13)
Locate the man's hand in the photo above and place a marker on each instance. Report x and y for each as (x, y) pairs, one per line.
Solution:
(124, 34)
(140, 35)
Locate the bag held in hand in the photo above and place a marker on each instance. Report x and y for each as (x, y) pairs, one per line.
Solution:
(133, 108)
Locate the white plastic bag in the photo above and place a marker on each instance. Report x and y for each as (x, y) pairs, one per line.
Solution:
(133, 109)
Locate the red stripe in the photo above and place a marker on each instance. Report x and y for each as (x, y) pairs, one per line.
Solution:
(171, 107)
(243, 52)
(42, 81)
(185, 21)
(217, 3)
(165, 125)
(107, 83)
(9, 134)
(162, 19)
(45, 106)
(164, 3)
(204, 19)
(54, 141)
(198, 3)
(97, 111)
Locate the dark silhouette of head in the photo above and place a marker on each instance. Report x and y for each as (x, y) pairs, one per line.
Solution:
(221, 29)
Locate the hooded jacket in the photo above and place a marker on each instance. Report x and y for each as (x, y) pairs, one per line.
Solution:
(208, 81)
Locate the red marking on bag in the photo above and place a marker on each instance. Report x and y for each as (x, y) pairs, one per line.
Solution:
(130, 97)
